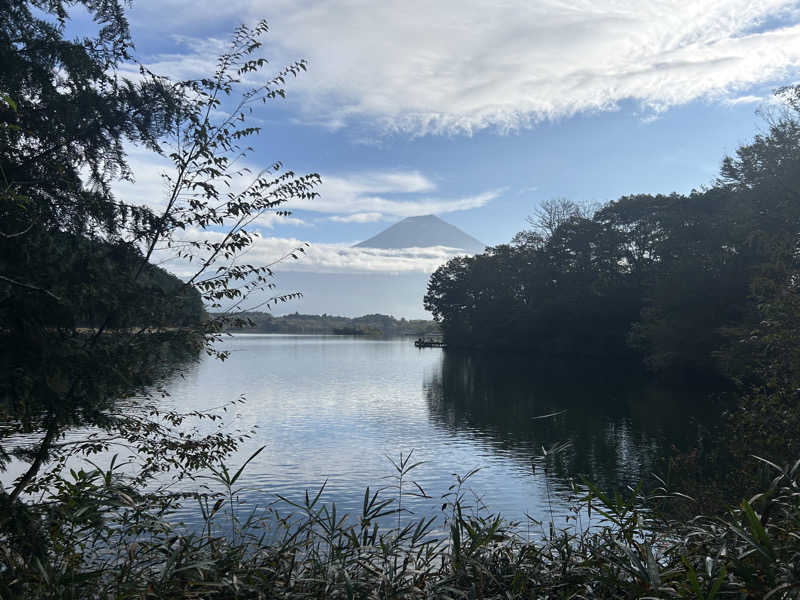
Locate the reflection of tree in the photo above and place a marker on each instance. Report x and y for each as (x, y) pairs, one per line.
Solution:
(618, 424)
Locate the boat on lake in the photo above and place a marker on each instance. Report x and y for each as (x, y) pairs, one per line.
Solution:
(429, 343)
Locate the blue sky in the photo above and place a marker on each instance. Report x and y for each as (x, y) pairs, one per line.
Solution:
(477, 112)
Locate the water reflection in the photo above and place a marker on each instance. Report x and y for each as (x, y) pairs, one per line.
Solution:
(331, 409)
(618, 423)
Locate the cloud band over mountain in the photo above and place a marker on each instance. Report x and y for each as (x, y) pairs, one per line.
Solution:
(328, 258)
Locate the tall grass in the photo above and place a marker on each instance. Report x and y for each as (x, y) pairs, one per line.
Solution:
(96, 537)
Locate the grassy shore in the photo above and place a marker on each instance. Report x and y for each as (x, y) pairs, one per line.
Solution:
(97, 538)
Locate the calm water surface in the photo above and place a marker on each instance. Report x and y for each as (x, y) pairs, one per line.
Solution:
(331, 409)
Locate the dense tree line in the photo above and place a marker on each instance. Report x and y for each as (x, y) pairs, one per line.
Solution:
(374, 324)
(688, 282)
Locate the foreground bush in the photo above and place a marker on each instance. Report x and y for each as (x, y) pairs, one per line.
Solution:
(96, 538)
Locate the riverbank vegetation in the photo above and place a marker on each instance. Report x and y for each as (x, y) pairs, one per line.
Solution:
(705, 282)
(697, 286)
(374, 325)
(98, 538)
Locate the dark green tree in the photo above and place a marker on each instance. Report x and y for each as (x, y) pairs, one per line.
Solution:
(680, 279)
(86, 317)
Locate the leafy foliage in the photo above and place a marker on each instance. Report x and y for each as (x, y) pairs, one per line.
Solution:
(104, 540)
(87, 317)
(677, 279)
(699, 284)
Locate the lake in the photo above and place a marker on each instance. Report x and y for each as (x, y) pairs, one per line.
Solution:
(331, 409)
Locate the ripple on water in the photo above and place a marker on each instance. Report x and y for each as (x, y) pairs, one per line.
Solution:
(331, 410)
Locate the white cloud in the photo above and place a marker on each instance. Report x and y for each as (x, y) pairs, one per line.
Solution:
(148, 187)
(325, 258)
(407, 182)
(369, 217)
(460, 66)
(269, 220)
(341, 258)
(353, 198)
(456, 66)
(375, 195)
(766, 99)
(746, 99)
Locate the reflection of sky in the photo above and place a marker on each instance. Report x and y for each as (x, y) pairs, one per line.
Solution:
(331, 409)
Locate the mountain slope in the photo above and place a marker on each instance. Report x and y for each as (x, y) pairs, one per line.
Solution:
(423, 232)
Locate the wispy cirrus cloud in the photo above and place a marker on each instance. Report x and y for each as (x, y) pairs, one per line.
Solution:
(149, 188)
(342, 198)
(457, 66)
(368, 197)
(362, 197)
(369, 217)
(766, 99)
(746, 99)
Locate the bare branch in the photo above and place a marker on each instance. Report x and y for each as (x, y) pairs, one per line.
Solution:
(28, 286)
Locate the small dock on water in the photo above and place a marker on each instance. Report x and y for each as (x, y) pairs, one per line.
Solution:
(429, 343)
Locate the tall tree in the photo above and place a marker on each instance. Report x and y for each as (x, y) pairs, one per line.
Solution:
(684, 278)
(85, 315)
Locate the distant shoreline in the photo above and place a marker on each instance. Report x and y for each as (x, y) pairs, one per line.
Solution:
(373, 325)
